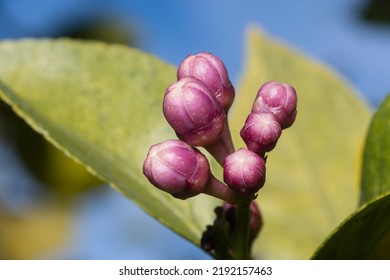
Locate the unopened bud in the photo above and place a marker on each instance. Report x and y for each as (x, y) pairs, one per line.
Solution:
(244, 172)
(193, 112)
(255, 222)
(261, 132)
(177, 168)
(211, 70)
(279, 99)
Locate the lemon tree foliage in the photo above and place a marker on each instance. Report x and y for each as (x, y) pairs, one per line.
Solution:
(102, 106)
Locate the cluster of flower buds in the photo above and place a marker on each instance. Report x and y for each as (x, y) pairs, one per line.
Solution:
(196, 106)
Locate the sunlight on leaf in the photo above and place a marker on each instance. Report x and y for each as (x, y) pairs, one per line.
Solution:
(101, 105)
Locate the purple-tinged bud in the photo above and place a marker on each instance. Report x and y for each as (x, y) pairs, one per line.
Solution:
(193, 112)
(255, 222)
(244, 172)
(279, 99)
(209, 69)
(177, 168)
(261, 132)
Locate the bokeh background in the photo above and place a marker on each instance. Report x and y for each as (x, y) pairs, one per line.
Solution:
(51, 208)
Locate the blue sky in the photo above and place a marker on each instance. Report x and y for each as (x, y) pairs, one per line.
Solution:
(330, 31)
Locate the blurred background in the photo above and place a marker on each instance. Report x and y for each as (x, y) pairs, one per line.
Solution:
(50, 208)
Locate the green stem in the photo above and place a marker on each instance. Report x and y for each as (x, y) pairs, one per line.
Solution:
(241, 238)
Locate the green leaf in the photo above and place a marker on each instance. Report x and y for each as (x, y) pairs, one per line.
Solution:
(376, 157)
(364, 235)
(50, 166)
(101, 105)
(312, 174)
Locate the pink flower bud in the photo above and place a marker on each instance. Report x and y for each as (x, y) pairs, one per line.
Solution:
(261, 132)
(177, 168)
(244, 172)
(209, 69)
(279, 99)
(193, 112)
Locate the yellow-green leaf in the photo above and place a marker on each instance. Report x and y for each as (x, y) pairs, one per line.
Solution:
(101, 105)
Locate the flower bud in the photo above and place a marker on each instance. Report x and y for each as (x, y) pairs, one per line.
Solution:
(209, 69)
(193, 112)
(261, 132)
(244, 172)
(279, 99)
(255, 222)
(177, 168)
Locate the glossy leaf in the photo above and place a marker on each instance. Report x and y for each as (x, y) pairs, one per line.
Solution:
(312, 174)
(57, 172)
(364, 235)
(376, 163)
(101, 105)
